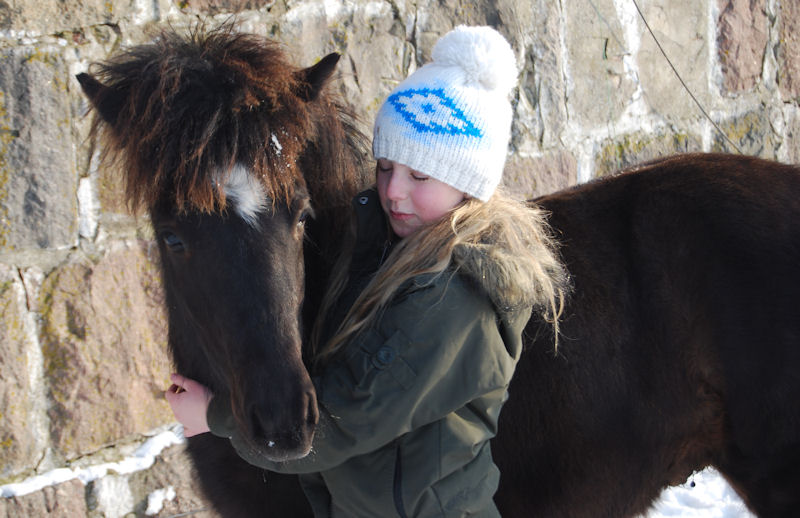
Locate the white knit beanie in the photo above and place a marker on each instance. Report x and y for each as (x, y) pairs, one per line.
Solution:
(451, 119)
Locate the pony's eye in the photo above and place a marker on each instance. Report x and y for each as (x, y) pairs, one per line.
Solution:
(306, 213)
(301, 220)
(173, 242)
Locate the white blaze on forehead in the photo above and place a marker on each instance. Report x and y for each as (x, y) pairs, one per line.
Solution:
(277, 144)
(245, 193)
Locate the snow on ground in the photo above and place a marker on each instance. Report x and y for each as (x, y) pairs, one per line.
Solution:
(142, 458)
(704, 495)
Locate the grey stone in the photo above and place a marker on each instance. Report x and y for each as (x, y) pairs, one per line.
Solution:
(540, 117)
(680, 28)
(370, 37)
(207, 7)
(791, 144)
(599, 88)
(38, 207)
(43, 17)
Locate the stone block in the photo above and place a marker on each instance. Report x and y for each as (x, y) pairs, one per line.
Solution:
(110, 496)
(38, 208)
(789, 51)
(791, 143)
(45, 17)
(382, 43)
(104, 345)
(17, 440)
(681, 30)
(530, 177)
(599, 84)
(110, 189)
(370, 37)
(742, 33)
(433, 19)
(629, 150)
(100, 170)
(372, 41)
(61, 501)
(173, 469)
(540, 117)
(211, 7)
(752, 133)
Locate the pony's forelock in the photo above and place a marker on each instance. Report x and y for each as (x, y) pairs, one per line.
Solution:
(189, 106)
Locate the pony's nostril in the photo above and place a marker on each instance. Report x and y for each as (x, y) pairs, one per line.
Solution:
(312, 413)
(256, 426)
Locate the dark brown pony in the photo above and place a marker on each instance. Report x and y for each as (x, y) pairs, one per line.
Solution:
(227, 145)
(680, 344)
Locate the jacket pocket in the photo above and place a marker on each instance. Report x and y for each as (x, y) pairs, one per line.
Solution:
(397, 489)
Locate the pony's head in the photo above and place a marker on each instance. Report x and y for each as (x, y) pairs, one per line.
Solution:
(226, 145)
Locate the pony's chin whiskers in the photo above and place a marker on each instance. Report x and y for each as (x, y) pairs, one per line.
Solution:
(272, 450)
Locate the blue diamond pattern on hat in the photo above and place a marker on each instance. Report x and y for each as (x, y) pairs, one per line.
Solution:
(430, 109)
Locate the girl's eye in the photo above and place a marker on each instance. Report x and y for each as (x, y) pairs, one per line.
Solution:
(419, 177)
(384, 168)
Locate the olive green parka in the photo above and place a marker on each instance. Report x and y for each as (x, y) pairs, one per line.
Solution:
(408, 407)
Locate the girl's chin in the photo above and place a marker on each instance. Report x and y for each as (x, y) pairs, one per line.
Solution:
(402, 230)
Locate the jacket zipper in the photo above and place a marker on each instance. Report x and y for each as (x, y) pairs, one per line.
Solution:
(398, 483)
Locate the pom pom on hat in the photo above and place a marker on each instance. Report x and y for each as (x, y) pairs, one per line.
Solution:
(483, 54)
(451, 119)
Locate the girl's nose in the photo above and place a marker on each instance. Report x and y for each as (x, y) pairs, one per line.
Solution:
(397, 188)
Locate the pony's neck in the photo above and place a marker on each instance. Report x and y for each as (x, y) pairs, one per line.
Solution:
(335, 170)
(324, 240)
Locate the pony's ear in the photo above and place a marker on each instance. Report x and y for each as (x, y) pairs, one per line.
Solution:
(100, 97)
(313, 78)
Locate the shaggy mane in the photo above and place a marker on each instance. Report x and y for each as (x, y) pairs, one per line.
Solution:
(188, 107)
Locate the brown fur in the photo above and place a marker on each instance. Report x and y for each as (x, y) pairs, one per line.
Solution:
(186, 108)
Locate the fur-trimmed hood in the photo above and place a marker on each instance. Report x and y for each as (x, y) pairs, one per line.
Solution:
(512, 258)
(516, 266)
(505, 277)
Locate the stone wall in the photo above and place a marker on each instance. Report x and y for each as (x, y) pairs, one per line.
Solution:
(82, 333)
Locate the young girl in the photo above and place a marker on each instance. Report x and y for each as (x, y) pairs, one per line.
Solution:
(421, 329)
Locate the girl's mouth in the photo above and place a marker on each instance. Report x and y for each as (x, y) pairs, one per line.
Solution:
(400, 216)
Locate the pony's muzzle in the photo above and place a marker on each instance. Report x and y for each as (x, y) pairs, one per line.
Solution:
(286, 432)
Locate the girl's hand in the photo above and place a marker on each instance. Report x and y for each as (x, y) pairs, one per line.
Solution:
(189, 401)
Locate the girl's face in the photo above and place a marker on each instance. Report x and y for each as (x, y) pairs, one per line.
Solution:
(411, 199)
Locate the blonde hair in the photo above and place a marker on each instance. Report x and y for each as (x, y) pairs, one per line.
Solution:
(502, 243)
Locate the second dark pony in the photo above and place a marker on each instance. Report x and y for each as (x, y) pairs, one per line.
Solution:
(680, 342)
